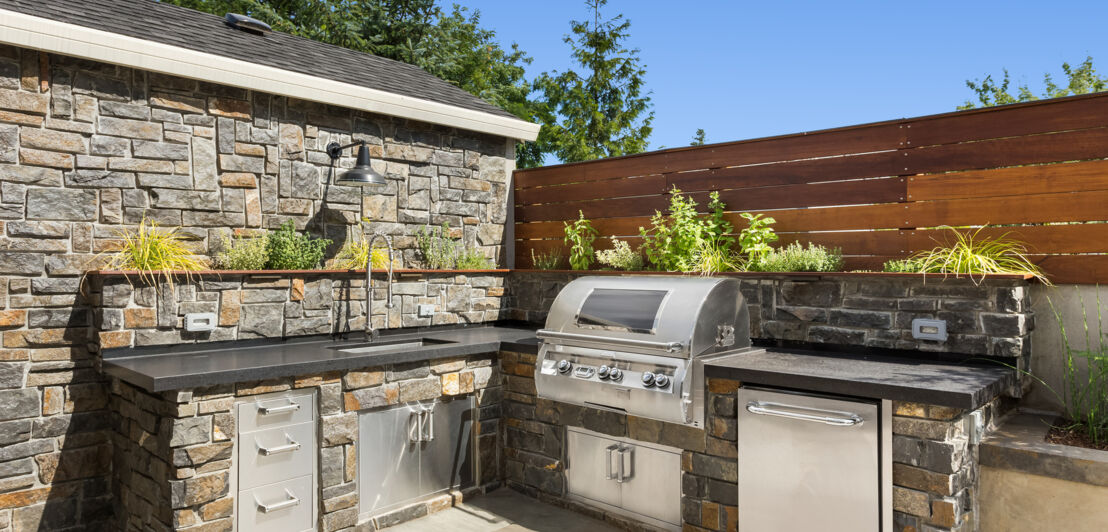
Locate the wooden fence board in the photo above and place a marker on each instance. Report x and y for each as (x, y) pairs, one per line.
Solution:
(1016, 181)
(886, 190)
(615, 188)
(1039, 208)
(1075, 269)
(1064, 114)
(1039, 239)
(1054, 147)
(789, 173)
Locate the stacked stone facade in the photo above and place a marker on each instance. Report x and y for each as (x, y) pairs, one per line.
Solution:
(173, 451)
(89, 149)
(991, 317)
(131, 312)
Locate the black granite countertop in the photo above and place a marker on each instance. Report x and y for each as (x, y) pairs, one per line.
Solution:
(174, 367)
(962, 385)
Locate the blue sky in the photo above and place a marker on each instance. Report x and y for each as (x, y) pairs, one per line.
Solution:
(742, 69)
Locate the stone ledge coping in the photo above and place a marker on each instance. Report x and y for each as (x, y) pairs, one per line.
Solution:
(1019, 445)
(114, 273)
(809, 275)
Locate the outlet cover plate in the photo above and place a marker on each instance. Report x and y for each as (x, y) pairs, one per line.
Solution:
(425, 310)
(927, 329)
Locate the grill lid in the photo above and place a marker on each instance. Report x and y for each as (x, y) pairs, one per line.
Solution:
(675, 316)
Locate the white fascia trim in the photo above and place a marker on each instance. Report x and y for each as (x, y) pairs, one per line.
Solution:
(68, 39)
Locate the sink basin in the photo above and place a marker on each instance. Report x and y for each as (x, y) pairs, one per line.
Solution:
(391, 345)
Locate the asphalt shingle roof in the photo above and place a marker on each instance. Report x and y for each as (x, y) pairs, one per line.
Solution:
(204, 32)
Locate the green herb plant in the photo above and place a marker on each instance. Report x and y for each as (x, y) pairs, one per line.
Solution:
(675, 240)
(290, 250)
(243, 252)
(755, 238)
(436, 249)
(473, 259)
(579, 237)
(973, 254)
(797, 258)
(546, 260)
(901, 266)
(620, 257)
(154, 252)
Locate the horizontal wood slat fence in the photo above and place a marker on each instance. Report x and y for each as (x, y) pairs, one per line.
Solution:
(1038, 170)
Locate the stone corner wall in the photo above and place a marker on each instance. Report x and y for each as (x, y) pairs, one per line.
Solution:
(88, 149)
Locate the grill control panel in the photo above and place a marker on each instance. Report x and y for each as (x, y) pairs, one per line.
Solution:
(621, 373)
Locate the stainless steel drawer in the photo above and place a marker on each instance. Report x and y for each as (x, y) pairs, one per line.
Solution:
(280, 507)
(276, 412)
(272, 455)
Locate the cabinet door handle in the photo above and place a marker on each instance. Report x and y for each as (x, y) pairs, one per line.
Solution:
(429, 431)
(619, 470)
(267, 410)
(415, 427)
(608, 475)
(287, 503)
(288, 448)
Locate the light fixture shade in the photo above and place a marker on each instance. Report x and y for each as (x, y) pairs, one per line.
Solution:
(362, 175)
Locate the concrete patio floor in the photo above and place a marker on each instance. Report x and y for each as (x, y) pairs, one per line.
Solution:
(504, 510)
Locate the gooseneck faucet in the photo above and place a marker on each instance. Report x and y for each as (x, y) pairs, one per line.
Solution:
(370, 332)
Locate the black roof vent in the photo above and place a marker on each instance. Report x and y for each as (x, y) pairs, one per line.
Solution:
(246, 23)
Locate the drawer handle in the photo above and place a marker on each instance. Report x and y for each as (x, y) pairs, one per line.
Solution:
(290, 447)
(287, 503)
(267, 410)
(767, 409)
(609, 449)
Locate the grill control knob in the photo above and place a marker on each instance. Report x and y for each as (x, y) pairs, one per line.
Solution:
(564, 366)
(615, 374)
(647, 379)
(660, 380)
(602, 372)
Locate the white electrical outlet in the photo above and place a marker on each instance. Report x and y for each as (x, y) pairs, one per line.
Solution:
(200, 321)
(425, 311)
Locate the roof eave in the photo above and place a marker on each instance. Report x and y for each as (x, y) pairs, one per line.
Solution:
(68, 39)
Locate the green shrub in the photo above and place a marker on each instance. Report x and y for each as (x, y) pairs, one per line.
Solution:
(901, 266)
(436, 249)
(796, 258)
(352, 256)
(546, 260)
(580, 236)
(755, 239)
(620, 257)
(243, 252)
(674, 239)
(289, 250)
(473, 259)
(709, 260)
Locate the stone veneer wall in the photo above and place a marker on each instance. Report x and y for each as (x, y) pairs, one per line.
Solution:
(934, 470)
(172, 450)
(133, 313)
(991, 318)
(87, 149)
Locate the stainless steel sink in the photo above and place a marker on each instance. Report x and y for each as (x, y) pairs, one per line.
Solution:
(391, 345)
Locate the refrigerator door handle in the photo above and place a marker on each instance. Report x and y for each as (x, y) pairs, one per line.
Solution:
(827, 417)
(609, 449)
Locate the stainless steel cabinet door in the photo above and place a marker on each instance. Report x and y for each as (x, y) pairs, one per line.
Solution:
(592, 460)
(388, 457)
(807, 463)
(446, 459)
(652, 485)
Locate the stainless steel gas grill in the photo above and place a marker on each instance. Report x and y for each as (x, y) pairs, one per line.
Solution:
(638, 344)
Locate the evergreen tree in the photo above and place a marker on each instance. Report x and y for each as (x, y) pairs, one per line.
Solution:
(1080, 80)
(602, 112)
(698, 138)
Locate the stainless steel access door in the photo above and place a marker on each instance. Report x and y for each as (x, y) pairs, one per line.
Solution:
(808, 462)
(446, 459)
(388, 457)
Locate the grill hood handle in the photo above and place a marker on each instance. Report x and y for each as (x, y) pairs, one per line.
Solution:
(669, 347)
